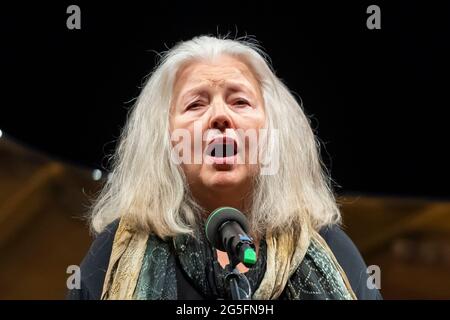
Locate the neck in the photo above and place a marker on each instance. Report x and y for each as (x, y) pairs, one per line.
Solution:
(239, 198)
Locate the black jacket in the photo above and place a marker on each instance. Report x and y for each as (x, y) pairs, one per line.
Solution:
(94, 266)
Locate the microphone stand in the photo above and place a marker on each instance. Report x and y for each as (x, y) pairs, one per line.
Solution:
(234, 279)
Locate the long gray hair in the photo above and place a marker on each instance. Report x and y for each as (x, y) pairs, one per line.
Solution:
(151, 189)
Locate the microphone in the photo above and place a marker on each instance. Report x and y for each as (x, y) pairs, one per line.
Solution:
(226, 230)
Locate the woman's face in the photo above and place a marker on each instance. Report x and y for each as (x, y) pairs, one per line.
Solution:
(214, 102)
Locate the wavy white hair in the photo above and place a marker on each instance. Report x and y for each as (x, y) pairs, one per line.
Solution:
(152, 190)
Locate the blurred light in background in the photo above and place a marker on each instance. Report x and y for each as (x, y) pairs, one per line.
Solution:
(96, 174)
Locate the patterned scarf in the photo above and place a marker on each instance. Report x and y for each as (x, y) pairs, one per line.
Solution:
(288, 267)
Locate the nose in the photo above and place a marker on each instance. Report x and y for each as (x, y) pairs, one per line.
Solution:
(220, 119)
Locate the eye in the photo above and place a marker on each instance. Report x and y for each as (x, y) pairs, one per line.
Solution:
(241, 103)
(194, 105)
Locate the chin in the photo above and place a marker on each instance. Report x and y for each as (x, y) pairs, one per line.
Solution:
(225, 179)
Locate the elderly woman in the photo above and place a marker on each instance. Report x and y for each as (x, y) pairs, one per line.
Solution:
(188, 148)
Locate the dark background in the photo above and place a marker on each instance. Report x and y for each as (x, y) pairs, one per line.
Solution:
(377, 99)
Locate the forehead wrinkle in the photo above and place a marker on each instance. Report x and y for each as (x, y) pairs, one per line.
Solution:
(215, 76)
(218, 77)
(215, 82)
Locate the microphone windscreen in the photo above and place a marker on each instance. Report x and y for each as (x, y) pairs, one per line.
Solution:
(217, 218)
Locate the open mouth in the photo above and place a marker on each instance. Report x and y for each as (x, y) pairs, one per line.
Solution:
(222, 147)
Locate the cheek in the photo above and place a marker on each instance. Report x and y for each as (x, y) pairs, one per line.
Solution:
(256, 119)
(262, 117)
(261, 122)
(175, 122)
(192, 173)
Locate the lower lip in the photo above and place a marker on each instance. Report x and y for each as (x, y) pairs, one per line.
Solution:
(221, 160)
